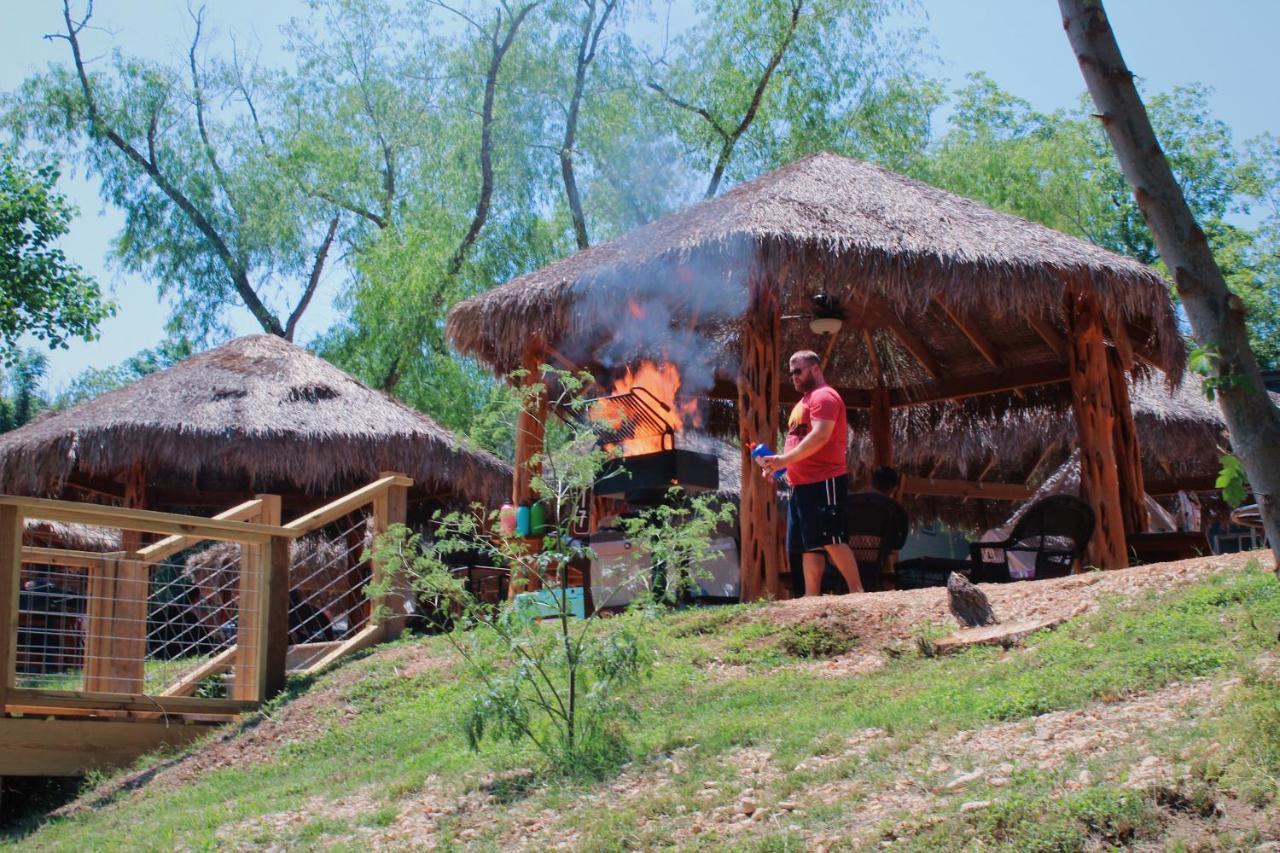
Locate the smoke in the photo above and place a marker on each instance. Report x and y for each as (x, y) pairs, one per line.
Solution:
(681, 311)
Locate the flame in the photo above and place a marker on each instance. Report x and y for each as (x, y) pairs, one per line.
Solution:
(636, 310)
(662, 380)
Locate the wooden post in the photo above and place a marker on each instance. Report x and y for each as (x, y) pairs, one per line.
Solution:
(390, 507)
(763, 553)
(881, 428)
(1133, 505)
(275, 597)
(1092, 401)
(11, 525)
(530, 435)
(115, 644)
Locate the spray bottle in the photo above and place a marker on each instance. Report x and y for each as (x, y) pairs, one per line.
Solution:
(762, 449)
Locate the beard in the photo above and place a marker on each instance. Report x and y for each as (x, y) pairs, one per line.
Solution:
(806, 384)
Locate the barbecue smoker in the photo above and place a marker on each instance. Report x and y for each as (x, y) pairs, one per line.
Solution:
(638, 419)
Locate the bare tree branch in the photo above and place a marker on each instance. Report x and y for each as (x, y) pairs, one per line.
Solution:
(99, 127)
(314, 281)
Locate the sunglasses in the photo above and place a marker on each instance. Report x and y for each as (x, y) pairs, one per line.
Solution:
(796, 371)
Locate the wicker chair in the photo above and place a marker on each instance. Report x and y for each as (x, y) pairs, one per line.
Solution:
(877, 527)
(1056, 529)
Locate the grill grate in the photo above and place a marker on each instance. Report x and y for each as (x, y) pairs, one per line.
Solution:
(631, 415)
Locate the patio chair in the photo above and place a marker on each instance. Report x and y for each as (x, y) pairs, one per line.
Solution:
(1055, 529)
(877, 526)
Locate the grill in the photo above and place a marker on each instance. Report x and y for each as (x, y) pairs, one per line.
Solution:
(643, 478)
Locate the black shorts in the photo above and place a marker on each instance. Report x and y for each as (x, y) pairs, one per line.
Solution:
(815, 515)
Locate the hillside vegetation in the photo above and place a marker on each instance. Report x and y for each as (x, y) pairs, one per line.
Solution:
(1150, 719)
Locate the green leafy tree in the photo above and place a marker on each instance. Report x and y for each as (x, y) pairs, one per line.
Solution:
(96, 381)
(1058, 169)
(556, 684)
(210, 216)
(43, 294)
(757, 83)
(21, 393)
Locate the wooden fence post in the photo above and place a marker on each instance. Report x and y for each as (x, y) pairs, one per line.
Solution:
(275, 568)
(260, 599)
(11, 524)
(389, 507)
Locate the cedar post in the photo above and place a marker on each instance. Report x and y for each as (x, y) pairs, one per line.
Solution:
(259, 663)
(1091, 398)
(1133, 505)
(530, 434)
(11, 525)
(390, 507)
(116, 619)
(881, 430)
(763, 550)
(276, 560)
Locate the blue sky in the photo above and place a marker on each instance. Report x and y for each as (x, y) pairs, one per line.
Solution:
(1227, 45)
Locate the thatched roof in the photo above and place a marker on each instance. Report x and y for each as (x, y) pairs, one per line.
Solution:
(1180, 433)
(888, 247)
(255, 414)
(43, 533)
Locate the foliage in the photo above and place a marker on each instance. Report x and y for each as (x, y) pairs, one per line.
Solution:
(96, 381)
(212, 214)
(44, 294)
(557, 687)
(1058, 169)
(1232, 480)
(21, 397)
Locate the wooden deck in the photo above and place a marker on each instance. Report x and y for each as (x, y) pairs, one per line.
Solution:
(80, 687)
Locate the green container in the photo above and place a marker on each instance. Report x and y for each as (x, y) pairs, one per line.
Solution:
(537, 520)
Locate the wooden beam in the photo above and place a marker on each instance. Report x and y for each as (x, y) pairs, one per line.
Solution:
(67, 558)
(336, 509)
(916, 347)
(854, 398)
(1160, 488)
(171, 545)
(881, 429)
(1093, 403)
(11, 529)
(967, 489)
(390, 508)
(873, 354)
(957, 388)
(187, 684)
(763, 553)
(1050, 335)
(1128, 452)
(108, 701)
(141, 519)
(125, 648)
(32, 746)
(370, 636)
(980, 341)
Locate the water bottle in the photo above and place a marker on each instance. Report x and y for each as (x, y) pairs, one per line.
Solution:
(507, 519)
(759, 450)
(537, 519)
(522, 520)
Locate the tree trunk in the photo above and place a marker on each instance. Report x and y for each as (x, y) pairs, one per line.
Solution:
(1216, 314)
(1095, 423)
(763, 551)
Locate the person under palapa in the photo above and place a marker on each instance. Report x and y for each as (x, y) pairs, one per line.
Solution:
(814, 461)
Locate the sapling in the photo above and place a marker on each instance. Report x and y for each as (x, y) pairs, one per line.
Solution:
(555, 681)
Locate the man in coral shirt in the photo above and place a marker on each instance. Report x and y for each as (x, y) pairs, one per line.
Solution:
(814, 457)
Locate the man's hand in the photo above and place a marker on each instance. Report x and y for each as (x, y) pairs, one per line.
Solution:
(770, 464)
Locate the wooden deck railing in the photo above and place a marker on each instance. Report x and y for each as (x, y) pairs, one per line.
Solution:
(139, 633)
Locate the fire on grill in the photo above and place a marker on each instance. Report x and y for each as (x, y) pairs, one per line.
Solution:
(645, 428)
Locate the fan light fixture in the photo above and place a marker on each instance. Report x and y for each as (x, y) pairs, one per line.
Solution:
(828, 316)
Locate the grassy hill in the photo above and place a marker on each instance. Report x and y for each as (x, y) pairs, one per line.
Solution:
(1151, 718)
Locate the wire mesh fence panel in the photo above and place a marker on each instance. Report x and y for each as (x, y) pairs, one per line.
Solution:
(327, 576)
(135, 626)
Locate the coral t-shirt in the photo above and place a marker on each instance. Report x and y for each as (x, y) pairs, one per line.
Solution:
(820, 404)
